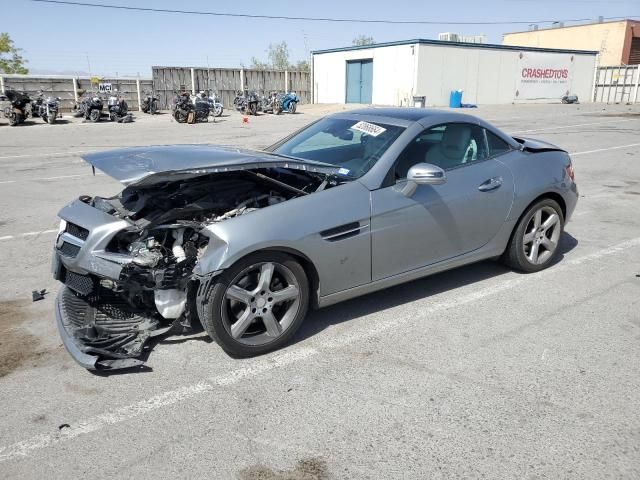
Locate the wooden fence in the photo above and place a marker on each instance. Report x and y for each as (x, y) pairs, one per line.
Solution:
(70, 89)
(226, 82)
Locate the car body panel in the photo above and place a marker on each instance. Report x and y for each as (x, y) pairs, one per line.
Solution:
(437, 222)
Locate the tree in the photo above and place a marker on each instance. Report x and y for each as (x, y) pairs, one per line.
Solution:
(10, 59)
(363, 40)
(278, 59)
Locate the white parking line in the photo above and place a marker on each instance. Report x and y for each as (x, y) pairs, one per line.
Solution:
(604, 149)
(263, 364)
(49, 154)
(28, 234)
(557, 127)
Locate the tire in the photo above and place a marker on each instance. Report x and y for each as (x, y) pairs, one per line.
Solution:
(94, 115)
(533, 247)
(292, 107)
(14, 119)
(221, 312)
(217, 110)
(154, 107)
(252, 108)
(51, 119)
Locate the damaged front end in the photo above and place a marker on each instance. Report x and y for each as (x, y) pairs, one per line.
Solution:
(127, 262)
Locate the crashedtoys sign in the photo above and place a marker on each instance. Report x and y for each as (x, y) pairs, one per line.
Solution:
(542, 76)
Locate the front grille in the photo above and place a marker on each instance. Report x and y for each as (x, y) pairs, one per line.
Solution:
(69, 250)
(76, 231)
(83, 284)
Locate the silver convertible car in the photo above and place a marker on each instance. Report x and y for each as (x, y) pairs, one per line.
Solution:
(245, 242)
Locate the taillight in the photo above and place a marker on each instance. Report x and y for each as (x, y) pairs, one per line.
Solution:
(570, 173)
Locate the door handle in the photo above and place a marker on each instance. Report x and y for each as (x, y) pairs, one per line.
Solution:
(490, 184)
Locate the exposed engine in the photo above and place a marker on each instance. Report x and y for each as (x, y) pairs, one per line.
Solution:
(165, 239)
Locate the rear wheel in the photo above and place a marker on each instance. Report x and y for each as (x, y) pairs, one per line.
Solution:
(14, 119)
(257, 305)
(534, 243)
(154, 107)
(253, 108)
(94, 115)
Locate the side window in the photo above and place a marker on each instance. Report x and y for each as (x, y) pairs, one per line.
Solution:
(448, 146)
(497, 146)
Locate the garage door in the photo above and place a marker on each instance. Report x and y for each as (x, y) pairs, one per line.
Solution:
(359, 81)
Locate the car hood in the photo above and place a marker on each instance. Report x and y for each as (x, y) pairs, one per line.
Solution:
(149, 165)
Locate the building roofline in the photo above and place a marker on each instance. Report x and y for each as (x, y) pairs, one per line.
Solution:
(422, 41)
(626, 20)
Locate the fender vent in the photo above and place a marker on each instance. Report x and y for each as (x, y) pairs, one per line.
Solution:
(343, 231)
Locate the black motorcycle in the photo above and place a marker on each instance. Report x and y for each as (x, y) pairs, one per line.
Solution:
(90, 107)
(45, 108)
(118, 108)
(17, 112)
(150, 103)
(186, 109)
(247, 102)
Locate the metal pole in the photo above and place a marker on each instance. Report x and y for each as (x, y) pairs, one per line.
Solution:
(75, 88)
(596, 78)
(286, 81)
(139, 96)
(193, 82)
(635, 93)
(2, 84)
(242, 79)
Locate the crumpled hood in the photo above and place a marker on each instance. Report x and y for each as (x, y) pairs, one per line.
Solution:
(149, 165)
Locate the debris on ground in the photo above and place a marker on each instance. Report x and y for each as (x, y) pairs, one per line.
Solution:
(37, 295)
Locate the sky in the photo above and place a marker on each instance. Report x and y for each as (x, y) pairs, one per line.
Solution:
(80, 40)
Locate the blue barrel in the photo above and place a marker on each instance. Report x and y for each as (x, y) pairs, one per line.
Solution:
(455, 99)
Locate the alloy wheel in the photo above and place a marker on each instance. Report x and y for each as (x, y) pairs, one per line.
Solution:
(541, 236)
(261, 303)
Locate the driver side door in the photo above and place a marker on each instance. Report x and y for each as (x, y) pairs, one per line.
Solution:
(439, 222)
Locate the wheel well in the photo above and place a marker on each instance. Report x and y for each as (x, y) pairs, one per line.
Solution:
(553, 196)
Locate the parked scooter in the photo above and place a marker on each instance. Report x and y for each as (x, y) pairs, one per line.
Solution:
(90, 107)
(247, 102)
(150, 103)
(46, 108)
(118, 108)
(17, 112)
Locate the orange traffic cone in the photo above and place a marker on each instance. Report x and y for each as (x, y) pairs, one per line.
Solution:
(245, 119)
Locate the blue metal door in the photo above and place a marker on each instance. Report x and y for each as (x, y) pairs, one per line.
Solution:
(359, 81)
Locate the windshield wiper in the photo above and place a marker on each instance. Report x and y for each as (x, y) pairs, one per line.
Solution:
(304, 160)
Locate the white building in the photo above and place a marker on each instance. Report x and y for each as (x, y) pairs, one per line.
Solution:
(394, 73)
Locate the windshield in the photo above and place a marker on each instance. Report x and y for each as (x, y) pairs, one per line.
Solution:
(354, 146)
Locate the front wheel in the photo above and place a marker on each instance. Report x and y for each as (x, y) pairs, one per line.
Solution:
(534, 242)
(51, 119)
(154, 107)
(292, 107)
(257, 305)
(94, 115)
(14, 119)
(217, 110)
(252, 108)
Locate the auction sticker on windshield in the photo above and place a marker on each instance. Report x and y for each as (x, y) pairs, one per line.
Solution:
(369, 128)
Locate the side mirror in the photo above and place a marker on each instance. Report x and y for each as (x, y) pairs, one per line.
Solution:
(423, 174)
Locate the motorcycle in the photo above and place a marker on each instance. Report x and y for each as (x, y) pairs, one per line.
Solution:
(289, 102)
(118, 108)
(247, 102)
(271, 103)
(90, 107)
(215, 105)
(17, 112)
(45, 108)
(188, 109)
(150, 103)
